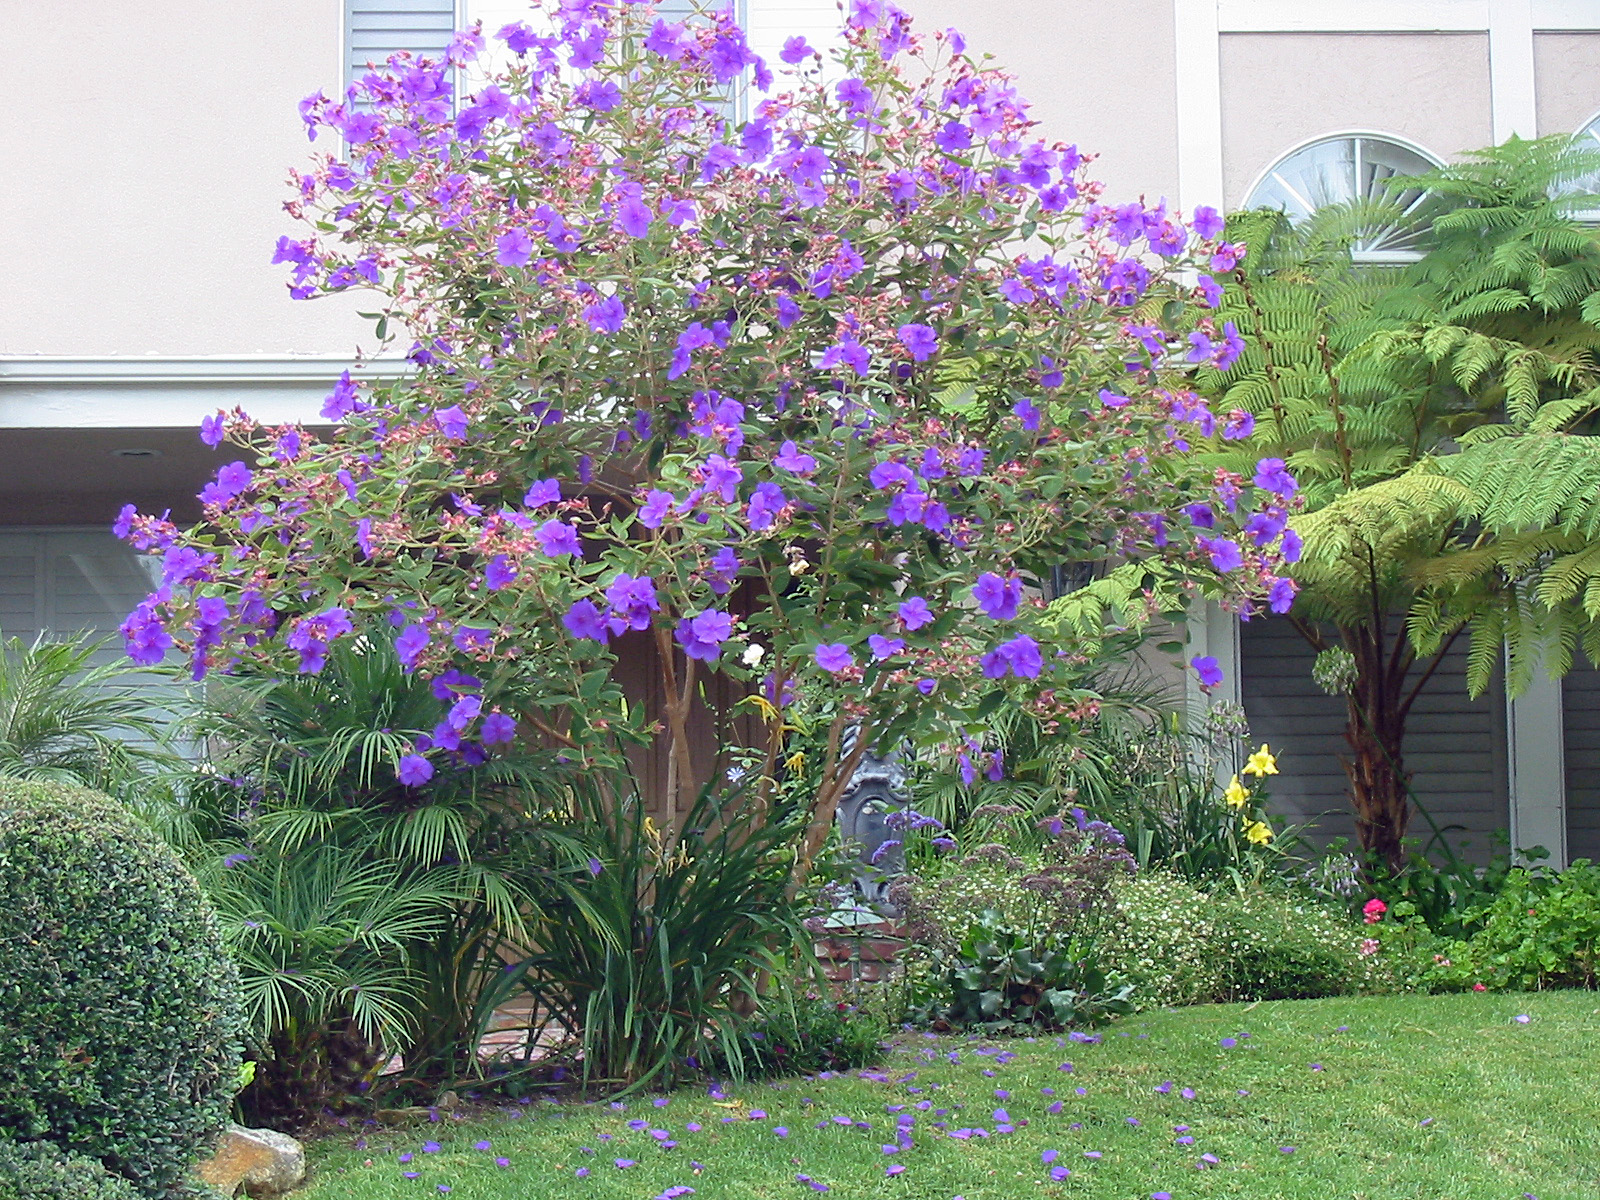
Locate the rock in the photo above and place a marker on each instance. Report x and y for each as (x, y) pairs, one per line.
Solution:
(261, 1161)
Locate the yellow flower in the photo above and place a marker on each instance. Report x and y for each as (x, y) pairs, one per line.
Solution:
(1236, 796)
(1261, 762)
(1259, 833)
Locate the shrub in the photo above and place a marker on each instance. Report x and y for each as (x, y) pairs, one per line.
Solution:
(1541, 931)
(1276, 944)
(44, 1171)
(1049, 880)
(119, 1003)
(1165, 941)
(813, 1034)
(1010, 936)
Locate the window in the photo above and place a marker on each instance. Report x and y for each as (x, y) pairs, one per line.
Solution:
(733, 107)
(68, 581)
(1346, 168)
(1587, 138)
(375, 29)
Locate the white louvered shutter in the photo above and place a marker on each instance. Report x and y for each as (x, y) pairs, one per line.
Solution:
(375, 29)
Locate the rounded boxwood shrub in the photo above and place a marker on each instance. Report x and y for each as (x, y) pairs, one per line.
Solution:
(119, 1004)
(44, 1171)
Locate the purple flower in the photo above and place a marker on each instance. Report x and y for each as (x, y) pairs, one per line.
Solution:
(595, 868)
(414, 771)
(1273, 476)
(1225, 554)
(599, 94)
(791, 459)
(1022, 652)
(921, 340)
(1112, 400)
(500, 571)
(885, 647)
(513, 248)
(452, 421)
(1280, 597)
(834, 657)
(1231, 348)
(1028, 412)
(847, 352)
(231, 481)
(557, 538)
(1240, 424)
(214, 428)
(1207, 222)
(953, 137)
(654, 509)
(1227, 257)
(1210, 291)
(701, 636)
(412, 641)
(584, 620)
(632, 215)
(498, 729)
(545, 491)
(997, 597)
(914, 613)
(605, 316)
(766, 502)
(1210, 675)
(633, 599)
(795, 51)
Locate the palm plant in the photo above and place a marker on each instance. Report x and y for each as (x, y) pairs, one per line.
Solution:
(64, 716)
(326, 946)
(308, 766)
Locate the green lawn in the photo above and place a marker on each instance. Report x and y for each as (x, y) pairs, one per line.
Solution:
(1447, 1097)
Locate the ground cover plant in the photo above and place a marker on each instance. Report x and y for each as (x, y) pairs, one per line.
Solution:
(1461, 1097)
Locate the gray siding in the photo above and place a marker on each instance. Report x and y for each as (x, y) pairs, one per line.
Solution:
(1455, 746)
(1580, 699)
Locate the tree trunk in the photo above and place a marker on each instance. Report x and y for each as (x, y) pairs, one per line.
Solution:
(1375, 727)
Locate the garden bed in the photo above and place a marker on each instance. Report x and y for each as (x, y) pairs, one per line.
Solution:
(1422, 1097)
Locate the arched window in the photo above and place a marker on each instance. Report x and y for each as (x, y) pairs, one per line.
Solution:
(1347, 167)
(1587, 138)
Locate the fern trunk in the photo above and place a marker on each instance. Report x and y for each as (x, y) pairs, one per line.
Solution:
(1376, 707)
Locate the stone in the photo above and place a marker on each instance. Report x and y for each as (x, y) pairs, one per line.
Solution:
(263, 1162)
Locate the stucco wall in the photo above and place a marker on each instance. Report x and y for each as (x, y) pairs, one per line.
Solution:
(1099, 75)
(145, 149)
(1282, 89)
(1566, 80)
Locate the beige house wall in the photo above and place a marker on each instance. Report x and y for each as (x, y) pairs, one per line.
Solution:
(144, 159)
(1282, 89)
(1098, 75)
(1566, 80)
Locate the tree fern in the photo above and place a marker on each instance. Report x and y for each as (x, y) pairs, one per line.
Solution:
(1439, 418)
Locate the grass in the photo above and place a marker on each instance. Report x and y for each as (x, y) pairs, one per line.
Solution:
(1382, 1098)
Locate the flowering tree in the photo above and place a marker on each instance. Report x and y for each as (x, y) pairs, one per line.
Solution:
(811, 394)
